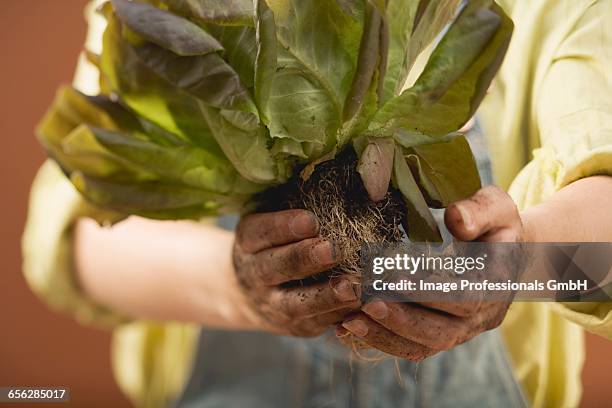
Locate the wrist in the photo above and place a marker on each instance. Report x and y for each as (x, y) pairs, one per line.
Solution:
(543, 223)
(529, 229)
(245, 315)
(219, 300)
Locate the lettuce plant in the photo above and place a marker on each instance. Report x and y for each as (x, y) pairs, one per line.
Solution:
(207, 103)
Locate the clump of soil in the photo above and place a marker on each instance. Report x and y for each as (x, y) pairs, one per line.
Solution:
(336, 195)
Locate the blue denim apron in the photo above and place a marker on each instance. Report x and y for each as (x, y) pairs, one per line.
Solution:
(252, 369)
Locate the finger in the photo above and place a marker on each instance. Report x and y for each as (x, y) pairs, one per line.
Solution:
(312, 300)
(377, 336)
(332, 318)
(463, 303)
(291, 262)
(260, 231)
(349, 341)
(423, 326)
(488, 210)
(503, 235)
(317, 325)
(459, 309)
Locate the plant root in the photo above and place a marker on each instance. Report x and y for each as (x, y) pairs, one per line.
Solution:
(336, 195)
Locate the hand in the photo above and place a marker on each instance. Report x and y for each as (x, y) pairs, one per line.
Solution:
(416, 331)
(272, 252)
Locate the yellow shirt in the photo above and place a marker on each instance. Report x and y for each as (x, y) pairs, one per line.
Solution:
(548, 117)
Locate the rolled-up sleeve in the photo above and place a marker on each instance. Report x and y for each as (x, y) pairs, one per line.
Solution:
(574, 104)
(573, 111)
(47, 247)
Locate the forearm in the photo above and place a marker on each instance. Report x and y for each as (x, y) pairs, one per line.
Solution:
(580, 212)
(155, 270)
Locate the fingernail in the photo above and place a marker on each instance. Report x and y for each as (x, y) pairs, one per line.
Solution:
(357, 327)
(323, 253)
(304, 224)
(377, 309)
(344, 291)
(466, 217)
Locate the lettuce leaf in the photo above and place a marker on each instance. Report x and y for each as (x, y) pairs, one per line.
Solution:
(207, 102)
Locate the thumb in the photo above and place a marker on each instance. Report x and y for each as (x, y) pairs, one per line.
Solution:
(490, 210)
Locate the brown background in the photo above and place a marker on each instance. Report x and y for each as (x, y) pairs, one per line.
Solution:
(39, 44)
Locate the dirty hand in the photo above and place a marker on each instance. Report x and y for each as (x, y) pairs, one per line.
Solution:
(415, 331)
(272, 252)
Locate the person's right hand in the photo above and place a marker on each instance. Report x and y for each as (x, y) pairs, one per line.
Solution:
(274, 249)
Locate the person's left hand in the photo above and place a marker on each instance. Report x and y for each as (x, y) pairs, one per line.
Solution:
(416, 331)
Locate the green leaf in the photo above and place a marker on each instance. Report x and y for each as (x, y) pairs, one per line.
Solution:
(410, 139)
(152, 199)
(208, 78)
(446, 171)
(77, 152)
(298, 107)
(356, 126)
(230, 131)
(368, 62)
(266, 61)
(432, 16)
(314, 69)
(325, 52)
(288, 147)
(366, 91)
(78, 108)
(65, 134)
(80, 150)
(240, 49)
(185, 165)
(159, 135)
(109, 112)
(399, 23)
(456, 78)
(222, 12)
(248, 151)
(165, 29)
(421, 226)
(246, 121)
(150, 96)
